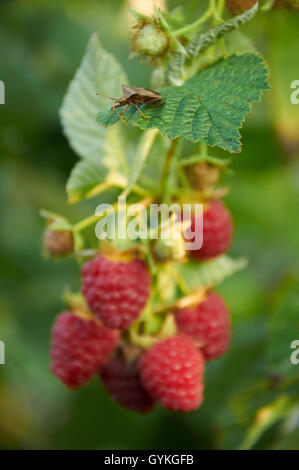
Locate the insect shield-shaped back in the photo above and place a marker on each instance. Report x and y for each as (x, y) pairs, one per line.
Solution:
(134, 95)
(128, 92)
(139, 94)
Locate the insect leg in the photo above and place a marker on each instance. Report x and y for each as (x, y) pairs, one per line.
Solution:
(122, 113)
(114, 110)
(138, 109)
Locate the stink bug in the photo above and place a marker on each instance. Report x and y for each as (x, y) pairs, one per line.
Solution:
(133, 95)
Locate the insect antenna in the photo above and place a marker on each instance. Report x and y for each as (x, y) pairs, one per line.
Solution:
(105, 96)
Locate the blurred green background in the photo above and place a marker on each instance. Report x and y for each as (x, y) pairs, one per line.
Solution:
(252, 393)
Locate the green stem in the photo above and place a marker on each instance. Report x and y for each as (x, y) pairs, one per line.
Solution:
(268, 5)
(184, 180)
(186, 29)
(197, 158)
(213, 10)
(223, 47)
(164, 25)
(181, 282)
(221, 5)
(140, 191)
(170, 154)
(150, 259)
(217, 11)
(92, 219)
(203, 150)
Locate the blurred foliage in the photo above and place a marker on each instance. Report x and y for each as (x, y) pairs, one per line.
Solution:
(251, 398)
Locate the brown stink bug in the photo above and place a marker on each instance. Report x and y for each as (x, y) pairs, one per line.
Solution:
(133, 95)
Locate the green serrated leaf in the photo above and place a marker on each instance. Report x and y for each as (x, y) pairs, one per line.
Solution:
(142, 153)
(210, 107)
(86, 180)
(176, 73)
(206, 39)
(209, 273)
(152, 169)
(202, 41)
(99, 72)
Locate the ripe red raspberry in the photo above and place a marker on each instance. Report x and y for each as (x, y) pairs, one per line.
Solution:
(80, 347)
(217, 231)
(208, 323)
(172, 372)
(116, 291)
(121, 380)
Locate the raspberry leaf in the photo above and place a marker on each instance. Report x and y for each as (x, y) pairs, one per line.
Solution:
(202, 41)
(210, 273)
(84, 180)
(98, 72)
(152, 168)
(142, 153)
(210, 107)
(107, 158)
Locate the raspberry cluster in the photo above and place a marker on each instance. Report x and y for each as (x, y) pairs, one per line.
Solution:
(96, 341)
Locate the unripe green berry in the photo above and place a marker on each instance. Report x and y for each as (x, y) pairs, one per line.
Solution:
(151, 41)
(58, 242)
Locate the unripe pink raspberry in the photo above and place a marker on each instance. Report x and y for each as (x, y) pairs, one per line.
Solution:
(217, 231)
(208, 323)
(80, 347)
(172, 372)
(121, 380)
(116, 291)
